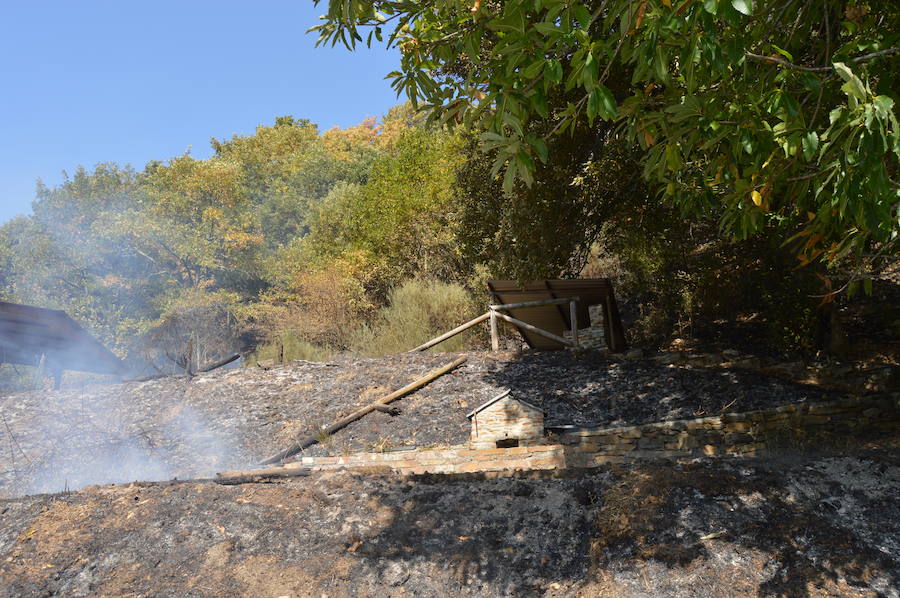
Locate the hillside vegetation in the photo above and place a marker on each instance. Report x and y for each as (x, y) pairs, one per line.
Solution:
(297, 243)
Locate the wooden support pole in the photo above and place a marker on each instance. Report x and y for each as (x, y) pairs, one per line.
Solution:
(534, 329)
(453, 332)
(535, 303)
(495, 333)
(573, 319)
(311, 440)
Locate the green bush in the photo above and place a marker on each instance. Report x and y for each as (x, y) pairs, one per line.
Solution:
(418, 311)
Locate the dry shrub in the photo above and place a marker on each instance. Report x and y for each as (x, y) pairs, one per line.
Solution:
(289, 347)
(417, 312)
(314, 319)
(197, 329)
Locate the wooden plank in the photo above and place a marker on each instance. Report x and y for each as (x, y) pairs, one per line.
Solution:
(559, 308)
(452, 333)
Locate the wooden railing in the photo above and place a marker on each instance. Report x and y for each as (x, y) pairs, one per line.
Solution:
(494, 313)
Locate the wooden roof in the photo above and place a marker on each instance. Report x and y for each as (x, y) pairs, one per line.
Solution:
(28, 332)
(555, 318)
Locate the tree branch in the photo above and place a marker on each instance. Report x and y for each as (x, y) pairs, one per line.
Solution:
(819, 69)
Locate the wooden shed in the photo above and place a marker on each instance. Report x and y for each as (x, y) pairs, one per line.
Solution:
(555, 318)
(506, 422)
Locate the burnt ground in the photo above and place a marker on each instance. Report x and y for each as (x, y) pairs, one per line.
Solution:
(173, 427)
(826, 525)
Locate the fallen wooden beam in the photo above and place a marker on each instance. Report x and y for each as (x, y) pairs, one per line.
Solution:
(534, 329)
(452, 333)
(153, 377)
(311, 440)
(219, 363)
(230, 478)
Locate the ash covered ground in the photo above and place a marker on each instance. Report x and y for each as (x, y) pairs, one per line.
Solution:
(804, 527)
(814, 525)
(174, 427)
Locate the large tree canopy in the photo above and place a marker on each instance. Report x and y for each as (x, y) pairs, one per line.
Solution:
(774, 112)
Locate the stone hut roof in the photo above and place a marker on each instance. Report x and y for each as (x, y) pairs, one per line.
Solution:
(502, 395)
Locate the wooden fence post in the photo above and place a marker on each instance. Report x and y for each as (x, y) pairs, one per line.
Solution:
(495, 337)
(573, 317)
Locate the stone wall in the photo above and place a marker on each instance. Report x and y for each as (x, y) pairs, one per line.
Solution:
(592, 337)
(737, 434)
(732, 434)
(457, 459)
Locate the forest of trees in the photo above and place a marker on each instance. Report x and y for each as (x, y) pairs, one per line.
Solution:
(289, 235)
(712, 174)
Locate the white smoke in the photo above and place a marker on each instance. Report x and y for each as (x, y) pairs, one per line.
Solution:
(68, 440)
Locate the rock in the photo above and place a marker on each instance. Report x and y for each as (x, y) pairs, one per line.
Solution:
(704, 359)
(731, 354)
(790, 369)
(266, 364)
(635, 354)
(395, 574)
(748, 363)
(669, 358)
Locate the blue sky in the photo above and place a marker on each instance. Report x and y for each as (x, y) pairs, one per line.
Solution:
(101, 81)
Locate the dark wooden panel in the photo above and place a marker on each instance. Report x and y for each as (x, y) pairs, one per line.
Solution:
(26, 332)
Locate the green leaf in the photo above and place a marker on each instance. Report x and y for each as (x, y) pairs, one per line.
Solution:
(583, 16)
(539, 101)
(540, 148)
(608, 109)
(673, 157)
(854, 85)
(884, 105)
(810, 143)
(743, 6)
(533, 69)
(553, 70)
(593, 105)
(509, 178)
(835, 114)
(590, 72)
(526, 167)
(547, 28)
(711, 6)
(783, 52)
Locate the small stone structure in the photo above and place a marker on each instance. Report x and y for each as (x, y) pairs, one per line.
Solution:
(505, 422)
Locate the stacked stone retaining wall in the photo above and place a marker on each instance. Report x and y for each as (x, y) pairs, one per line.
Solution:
(732, 434)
